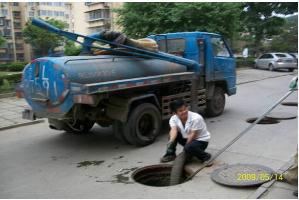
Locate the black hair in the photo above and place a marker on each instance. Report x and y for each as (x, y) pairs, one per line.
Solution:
(175, 105)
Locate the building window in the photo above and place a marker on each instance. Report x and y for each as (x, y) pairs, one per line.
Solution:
(18, 34)
(7, 23)
(50, 13)
(15, 4)
(49, 3)
(20, 56)
(17, 24)
(58, 13)
(31, 13)
(58, 4)
(43, 12)
(17, 14)
(30, 3)
(4, 12)
(2, 22)
(98, 14)
(96, 29)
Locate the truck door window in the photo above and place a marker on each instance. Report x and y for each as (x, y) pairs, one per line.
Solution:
(173, 46)
(219, 47)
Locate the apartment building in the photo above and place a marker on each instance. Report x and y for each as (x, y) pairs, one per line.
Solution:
(81, 17)
(11, 30)
(91, 17)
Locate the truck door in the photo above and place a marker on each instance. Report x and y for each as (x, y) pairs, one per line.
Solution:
(223, 61)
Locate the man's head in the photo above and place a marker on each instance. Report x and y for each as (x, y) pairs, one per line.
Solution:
(179, 108)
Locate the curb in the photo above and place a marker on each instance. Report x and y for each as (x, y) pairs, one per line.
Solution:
(22, 124)
(6, 95)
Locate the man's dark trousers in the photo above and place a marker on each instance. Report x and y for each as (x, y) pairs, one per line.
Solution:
(194, 148)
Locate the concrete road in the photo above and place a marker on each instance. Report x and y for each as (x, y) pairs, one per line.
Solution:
(37, 162)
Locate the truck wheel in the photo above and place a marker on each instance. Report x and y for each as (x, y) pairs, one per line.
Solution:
(143, 126)
(118, 131)
(215, 106)
(78, 126)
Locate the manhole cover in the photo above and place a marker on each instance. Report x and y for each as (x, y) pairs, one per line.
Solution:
(242, 175)
(155, 175)
(289, 103)
(281, 115)
(265, 120)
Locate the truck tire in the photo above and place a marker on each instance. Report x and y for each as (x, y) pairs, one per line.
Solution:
(118, 132)
(215, 106)
(143, 125)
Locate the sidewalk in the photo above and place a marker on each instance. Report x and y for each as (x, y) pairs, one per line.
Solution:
(11, 111)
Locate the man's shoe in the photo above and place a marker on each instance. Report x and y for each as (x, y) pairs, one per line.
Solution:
(168, 158)
(206, 160)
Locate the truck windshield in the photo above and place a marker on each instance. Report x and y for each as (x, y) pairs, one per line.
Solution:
(173, 46)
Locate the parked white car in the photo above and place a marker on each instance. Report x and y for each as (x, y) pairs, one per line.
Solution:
(273, 61)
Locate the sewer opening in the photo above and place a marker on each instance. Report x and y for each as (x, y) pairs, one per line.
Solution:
(265, 120)
(156, 175)
(289, 103)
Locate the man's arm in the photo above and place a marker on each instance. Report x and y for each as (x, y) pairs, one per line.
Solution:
(173, 133)
(193, 135)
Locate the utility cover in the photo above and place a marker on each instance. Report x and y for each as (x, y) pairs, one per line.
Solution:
(242, 175)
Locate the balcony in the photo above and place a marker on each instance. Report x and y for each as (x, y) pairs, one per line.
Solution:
(98, 19)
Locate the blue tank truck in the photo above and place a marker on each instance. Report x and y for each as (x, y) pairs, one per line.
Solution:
(130, 88)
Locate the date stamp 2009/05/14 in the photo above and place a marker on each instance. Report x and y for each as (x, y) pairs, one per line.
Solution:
(259, 177)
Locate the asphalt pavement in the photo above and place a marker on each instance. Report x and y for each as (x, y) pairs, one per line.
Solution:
(37, 162)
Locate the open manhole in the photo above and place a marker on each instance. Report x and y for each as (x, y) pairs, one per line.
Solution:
(155, 175)
(265, 120)
(288, 103)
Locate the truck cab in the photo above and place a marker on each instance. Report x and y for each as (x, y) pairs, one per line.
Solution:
(210, 50)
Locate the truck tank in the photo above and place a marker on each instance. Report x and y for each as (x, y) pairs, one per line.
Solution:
(46, 81)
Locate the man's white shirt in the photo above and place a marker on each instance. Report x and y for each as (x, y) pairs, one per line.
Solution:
(195, 122)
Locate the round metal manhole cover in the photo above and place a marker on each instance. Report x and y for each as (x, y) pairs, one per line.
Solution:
(281, 115)
(242, 175)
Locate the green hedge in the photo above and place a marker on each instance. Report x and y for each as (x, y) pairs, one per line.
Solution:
(245, 62)
(13, 67)
(11, 78)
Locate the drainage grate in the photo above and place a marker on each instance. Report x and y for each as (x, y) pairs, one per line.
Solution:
(265, 120)
(288, 103)
(155, 175)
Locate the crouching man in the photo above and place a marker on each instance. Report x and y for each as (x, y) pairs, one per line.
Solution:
(189, 130)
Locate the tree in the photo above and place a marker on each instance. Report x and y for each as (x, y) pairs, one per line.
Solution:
(70, 49)
(260, 19)
(287, 40)
(2, 41)
(142, 19)
(41, 40)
